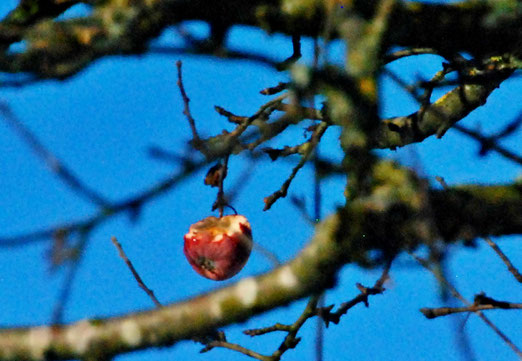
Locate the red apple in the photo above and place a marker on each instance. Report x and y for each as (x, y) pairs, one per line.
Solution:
(218, 248)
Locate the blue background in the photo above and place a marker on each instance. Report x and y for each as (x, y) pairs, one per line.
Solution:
(101, 123)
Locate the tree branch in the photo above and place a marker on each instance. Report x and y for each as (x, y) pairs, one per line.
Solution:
(59, 49)
(444, 311)
(338, 240)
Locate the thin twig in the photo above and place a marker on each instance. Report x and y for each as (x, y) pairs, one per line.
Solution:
(408, 52)
(269, 255)
(235, 347)
(489, 143)
(289, 342)
(275, 89)
(505, 259)
(362, 297)
(199, 50)
(319, 326)
(269, 329)
(50, 160)
(305, 112)
(444, 311)
(282, 192)
(236, 119)
(186, 110)
(137, 201)
(72, 271)
(142, 285)
(458, 296)
(127, 204)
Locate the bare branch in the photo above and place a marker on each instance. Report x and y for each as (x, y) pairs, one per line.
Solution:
(50, 160)
(441, 115)
(237, 119)
(142, 285)
(490, 144)
(275, 89)
(328, 250)
(444, 311)
(365, 292)
(196, 140)
(312, 143)
(235, 347)
(514, 271)
(125, 205)
(408, 52)
(458, 296)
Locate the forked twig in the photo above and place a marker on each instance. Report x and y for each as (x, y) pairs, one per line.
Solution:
(362, 297)
(312, 143)
(458, 296)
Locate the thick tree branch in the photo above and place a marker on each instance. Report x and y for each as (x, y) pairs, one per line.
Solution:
(438, 117)
(385, 221)
(58, 49)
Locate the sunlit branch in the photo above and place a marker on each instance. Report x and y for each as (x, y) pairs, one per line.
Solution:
(443, 114)
(86, 39)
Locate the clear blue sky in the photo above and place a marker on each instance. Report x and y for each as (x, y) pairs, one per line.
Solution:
(101, 122)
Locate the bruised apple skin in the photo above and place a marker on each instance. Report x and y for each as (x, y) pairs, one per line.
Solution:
(218, 248)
